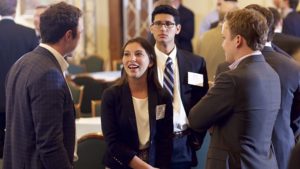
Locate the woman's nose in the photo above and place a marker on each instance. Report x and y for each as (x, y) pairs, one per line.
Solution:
(133, 58)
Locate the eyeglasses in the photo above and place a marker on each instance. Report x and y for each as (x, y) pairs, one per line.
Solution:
(159, 24)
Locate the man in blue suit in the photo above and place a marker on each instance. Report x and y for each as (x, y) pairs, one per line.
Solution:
(287, 124)
(291, 23)
(40, 116)
(187, 21)
(15, 40)
(189, 85)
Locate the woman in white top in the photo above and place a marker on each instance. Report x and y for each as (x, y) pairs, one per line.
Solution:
(137, 114)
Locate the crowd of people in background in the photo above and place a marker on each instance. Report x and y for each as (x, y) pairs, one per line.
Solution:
(241, 84)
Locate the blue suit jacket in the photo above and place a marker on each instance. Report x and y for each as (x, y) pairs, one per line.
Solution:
(40, 129)
(15, 41)
(291, 24)
(242, 107)
(190, 94)
(287, 124)
(120, 131)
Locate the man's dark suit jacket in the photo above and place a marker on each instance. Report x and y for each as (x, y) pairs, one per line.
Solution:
(120, 130)
(40, 129)
(184, 38)
(291, 24)
(242, 107)
(288, 118)
(190, 94)
(290, 44)
(15, 40)
(295, 156)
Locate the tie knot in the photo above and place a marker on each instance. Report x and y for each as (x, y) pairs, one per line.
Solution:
(169, 61)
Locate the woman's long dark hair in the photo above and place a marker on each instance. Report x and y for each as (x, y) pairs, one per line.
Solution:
(152, 77)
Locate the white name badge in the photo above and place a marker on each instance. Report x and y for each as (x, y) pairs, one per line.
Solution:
(195, 79)
(160, 111)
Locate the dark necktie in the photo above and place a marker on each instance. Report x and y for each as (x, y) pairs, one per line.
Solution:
(169, 77)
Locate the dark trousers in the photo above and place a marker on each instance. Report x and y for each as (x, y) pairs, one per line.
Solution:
(182, 154)
(2, 132)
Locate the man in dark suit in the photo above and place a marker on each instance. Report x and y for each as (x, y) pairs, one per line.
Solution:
(242, 106)
(190, 81)
(40, 126)
(291, 22)
(15, 40)
(287, 124)
(187, 22)
(290, 44)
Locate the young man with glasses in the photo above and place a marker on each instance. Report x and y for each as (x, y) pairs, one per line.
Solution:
(184, 76)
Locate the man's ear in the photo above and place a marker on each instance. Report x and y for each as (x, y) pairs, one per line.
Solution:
(178, 29)
(239, 41)
(69, 34)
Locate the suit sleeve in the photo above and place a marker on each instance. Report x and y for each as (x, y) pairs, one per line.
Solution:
(216, 104)
(295, 114)
(164, 135)
(121, 153)
(47, 96)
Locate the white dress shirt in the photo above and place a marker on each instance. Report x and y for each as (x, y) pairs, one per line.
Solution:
(237, 62)
(180, 120)
(142, 121)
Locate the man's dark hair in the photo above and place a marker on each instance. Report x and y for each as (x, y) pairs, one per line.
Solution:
(293, 4)
(276, 17)
(8, 7)
(166, 9)
(57, 20)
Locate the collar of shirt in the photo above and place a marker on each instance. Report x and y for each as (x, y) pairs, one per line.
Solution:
(60, 59)
(237, 62)
(162, 57)
(269, 44)
(286, 12)
(7, 17)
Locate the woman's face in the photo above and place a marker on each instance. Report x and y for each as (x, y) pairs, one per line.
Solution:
(136, 61)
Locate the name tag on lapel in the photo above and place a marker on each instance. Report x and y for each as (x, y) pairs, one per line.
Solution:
(195, 79)
(160, 111)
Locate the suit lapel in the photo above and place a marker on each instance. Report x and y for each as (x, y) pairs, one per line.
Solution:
(182, 69)
(152, 103)
(128, 109)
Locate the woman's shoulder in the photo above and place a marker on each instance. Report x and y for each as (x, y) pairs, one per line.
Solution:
(111, 91)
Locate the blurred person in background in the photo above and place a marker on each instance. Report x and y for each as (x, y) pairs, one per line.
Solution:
(15, 40)
(291, 18)
(36, 18)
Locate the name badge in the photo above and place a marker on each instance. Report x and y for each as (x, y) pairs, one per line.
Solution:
(160, 111)
(195, 79)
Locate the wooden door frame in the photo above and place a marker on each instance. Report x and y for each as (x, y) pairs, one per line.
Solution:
(115, 29)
